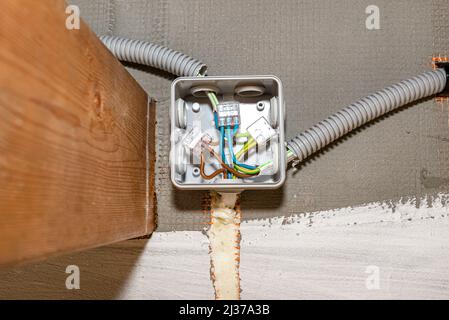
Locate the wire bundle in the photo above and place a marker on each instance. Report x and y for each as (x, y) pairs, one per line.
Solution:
(227, 133)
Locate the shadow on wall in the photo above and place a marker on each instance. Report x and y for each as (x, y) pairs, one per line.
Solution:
(102, 274)
(150, 70)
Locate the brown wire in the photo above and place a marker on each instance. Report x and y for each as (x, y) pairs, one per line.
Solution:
(232, 170)
(213, 174)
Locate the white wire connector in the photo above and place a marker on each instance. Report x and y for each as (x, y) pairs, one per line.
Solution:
(261, 131)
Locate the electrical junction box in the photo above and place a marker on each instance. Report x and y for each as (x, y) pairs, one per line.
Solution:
(227, 133)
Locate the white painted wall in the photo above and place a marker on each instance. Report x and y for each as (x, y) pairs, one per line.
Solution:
(312, 256)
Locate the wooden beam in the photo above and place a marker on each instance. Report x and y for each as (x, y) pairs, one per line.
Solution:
(76, 138)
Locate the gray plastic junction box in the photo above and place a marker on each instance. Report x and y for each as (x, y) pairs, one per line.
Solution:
(255, 103)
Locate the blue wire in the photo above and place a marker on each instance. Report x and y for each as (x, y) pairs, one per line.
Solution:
(229, 137)
(223, 157)
(228, 133)
(221, 144)
(216, 119)
(236, 128)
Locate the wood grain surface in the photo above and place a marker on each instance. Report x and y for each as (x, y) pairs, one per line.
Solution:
(76, 138)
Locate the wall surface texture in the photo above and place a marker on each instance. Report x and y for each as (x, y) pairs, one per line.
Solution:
(365, 252)
(326, 58)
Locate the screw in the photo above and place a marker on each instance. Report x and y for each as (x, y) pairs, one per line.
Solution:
(260, 106)
(196, 172)
(196, 107)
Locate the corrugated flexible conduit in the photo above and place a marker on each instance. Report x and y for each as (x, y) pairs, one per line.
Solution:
(154, 55)
(365, 110)
(321, 134)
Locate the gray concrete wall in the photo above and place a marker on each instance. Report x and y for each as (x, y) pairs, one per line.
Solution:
(326, 59)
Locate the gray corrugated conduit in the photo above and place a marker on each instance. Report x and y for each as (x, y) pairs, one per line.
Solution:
(321, 134)
(365, 110)
(154, 55)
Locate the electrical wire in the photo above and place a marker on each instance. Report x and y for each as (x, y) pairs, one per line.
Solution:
(236, 128)
(266, 164)
(223, 156)
(216, 119)
(244, 168)
(213, 99)
(249, 169)
(225, 166)
(242, 135)
(213, 174)
(251, 143)
(230, 142)
(228, 133)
